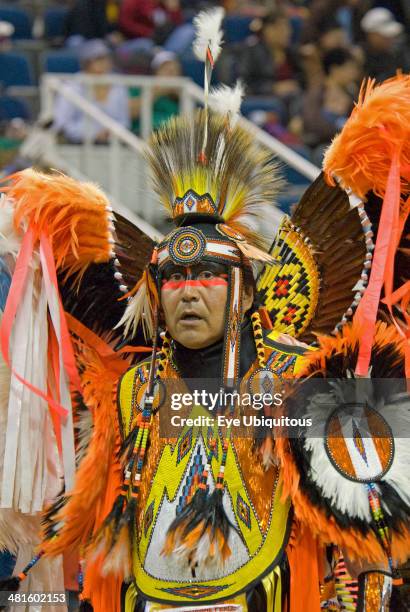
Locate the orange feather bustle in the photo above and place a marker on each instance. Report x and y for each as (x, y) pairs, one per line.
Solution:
(323, 526)
(99, 476)
(73, 215)
(360, 156)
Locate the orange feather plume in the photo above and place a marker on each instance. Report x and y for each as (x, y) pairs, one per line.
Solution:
(74, 215)
(379, 126)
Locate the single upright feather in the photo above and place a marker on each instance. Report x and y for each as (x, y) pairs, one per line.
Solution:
(208, 33)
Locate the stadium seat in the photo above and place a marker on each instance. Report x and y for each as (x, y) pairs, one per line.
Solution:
(15, 70)
(12, 108)
(19, 18)
(193, 68)
(54, 19)
(60, 61)
(236, 28)
(293, 177)
(269, 104)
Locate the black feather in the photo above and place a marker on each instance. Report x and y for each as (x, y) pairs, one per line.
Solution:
(12, 583)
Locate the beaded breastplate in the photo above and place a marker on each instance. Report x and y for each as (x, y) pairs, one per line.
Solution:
(252, 499)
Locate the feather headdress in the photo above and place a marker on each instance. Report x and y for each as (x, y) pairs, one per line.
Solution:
(240, 177)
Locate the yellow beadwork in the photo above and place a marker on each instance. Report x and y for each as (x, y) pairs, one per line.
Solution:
(291, 287)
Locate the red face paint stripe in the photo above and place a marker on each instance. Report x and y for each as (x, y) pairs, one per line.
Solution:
(214, 282)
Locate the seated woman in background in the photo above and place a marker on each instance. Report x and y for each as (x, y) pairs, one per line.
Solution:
(70, 121)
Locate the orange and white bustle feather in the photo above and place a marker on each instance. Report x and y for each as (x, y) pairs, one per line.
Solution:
(326, 467)
(372, 154)
(59, 225)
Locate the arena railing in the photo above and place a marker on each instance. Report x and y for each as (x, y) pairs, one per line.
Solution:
(119, 166)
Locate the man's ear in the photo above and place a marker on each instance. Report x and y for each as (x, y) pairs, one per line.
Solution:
(247, 298)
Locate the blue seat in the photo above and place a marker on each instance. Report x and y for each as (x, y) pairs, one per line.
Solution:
(60, 61)
(13, 108)
(293, 177)
(54, 19)
(15, 70)
(236, 28)
(19, 18)
(269, 104)
(193, 68)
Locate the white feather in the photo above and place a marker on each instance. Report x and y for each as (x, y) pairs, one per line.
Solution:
(9, 240)
(208, 33)
(118, 560)
(227, 101)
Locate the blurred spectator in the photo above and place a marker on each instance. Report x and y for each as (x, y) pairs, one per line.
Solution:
(268, 65)
(165, 100)
(329, 35)
(87, 18)
(345, 13)
(383, 50)
(69, 121)
(6, 32)
(327, 106)
(154, 19)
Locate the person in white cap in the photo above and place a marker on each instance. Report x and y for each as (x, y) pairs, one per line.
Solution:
(383, 52)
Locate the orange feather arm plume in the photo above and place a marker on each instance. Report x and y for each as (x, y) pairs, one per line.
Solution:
(75, 216)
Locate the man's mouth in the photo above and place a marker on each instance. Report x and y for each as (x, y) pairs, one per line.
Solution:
(190, 316)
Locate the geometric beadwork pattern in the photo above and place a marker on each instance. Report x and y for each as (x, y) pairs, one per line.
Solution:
(196, 591)
(148, 517)
(184, 445)
(191, 481)
(243, 511)
(279, 362)
(210, 434)
(290, 287)
(191, 202)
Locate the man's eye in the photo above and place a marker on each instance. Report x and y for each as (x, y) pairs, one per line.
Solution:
(176, 277)
(206, 275)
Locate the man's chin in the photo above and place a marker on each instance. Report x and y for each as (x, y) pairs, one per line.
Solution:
(194, 341)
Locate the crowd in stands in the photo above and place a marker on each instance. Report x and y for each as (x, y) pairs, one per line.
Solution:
(301, 61)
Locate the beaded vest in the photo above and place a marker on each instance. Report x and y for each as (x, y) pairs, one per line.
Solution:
(252, 500)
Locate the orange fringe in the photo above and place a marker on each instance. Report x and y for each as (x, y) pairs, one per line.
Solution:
(99, 476)
(105, 592)
(72, 214)
(360, 156)
(87, 498)
(303, 556)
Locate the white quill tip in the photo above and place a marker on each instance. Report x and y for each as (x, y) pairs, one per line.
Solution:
(227, 101)
(208, 32)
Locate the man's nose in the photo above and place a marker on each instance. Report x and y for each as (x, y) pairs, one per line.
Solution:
(190, 291)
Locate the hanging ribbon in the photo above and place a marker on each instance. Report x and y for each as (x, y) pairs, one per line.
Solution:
(67, 367)
(14, 299)
(70, 367)
(388, 230)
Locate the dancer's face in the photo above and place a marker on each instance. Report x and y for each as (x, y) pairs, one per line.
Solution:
(194, 302)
